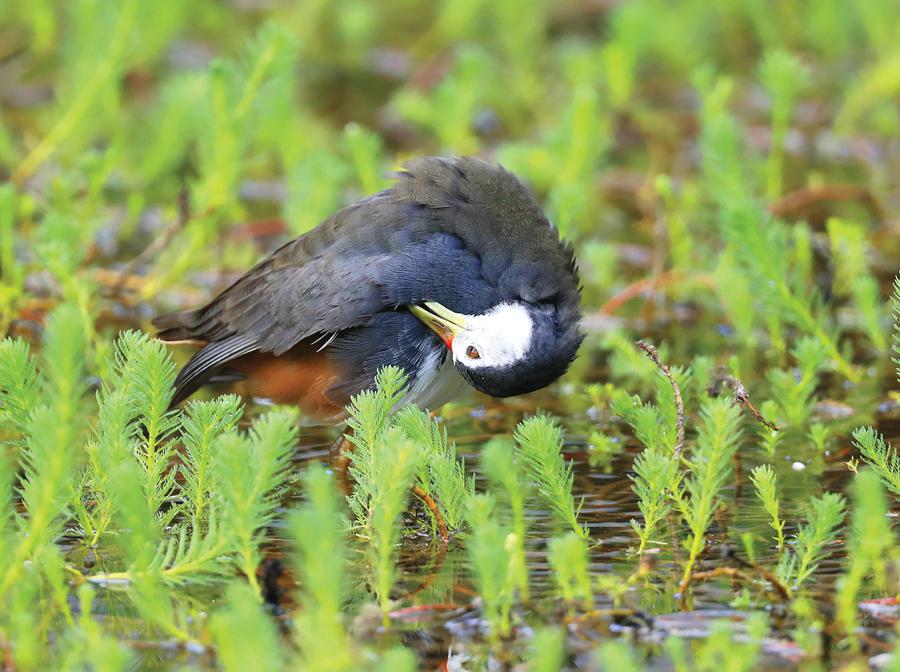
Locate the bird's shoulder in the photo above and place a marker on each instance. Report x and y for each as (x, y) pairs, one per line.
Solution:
(498, 219)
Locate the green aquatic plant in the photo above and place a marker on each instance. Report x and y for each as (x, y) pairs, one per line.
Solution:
(248, 498)
(853, 278)
(317, 528)
(646, 421)
(504, 472)
(103, 72)
(202, 423)
(818, 434)
(20, 387)
(880, 455)
(50, 433)
(547, 650)
(189, 138)
(783, 76)
(568, 556)
(794, 391)
(709, 465)
(392, 462)
(493, 563)
(871, 444)
(656, 477)
(236, 97)
(122, 473)
(764, 250)
(244, 635)
(765, 482)
(146, 372)
(395, 450)
(870, 545)
(822, 526)
(540, 445)
(655, 424)
(383, 465)
(441, 474)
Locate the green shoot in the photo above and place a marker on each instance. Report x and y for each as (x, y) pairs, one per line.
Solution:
(853, 279)
(51, 433)
(146, 371)
(870, 443)
(540, 445)
(880, 455)
(19, 385)
(384, 466)
(868, 548)
(317, 528)
(396, 459)
(656, 476)
(818, 434)
(569, 559)
(249, 497)
(547, 650)
(794, 392)
(492, 564)
(499, 465)
(244, 634)
(763, 478)
(201, 425)
(783, 76)
(441, 474)
(820, 529)
(708, 469)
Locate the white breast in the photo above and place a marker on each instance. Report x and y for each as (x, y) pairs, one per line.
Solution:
(436, 382)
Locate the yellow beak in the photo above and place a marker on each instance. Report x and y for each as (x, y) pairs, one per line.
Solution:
(442, 321)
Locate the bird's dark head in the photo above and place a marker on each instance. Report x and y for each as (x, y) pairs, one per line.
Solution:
(514, 348)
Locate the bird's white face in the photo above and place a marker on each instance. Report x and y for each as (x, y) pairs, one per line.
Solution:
(498, 338)
(511, 349)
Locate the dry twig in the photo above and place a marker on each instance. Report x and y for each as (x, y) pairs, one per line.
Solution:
(429, 502)
(679, 403)
(741, 396)
(734, 573)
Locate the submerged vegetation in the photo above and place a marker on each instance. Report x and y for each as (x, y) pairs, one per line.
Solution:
(721, 499)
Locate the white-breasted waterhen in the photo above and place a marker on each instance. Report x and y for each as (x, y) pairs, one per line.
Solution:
(452, 274)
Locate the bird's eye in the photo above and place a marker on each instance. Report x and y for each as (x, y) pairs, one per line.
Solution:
(472, 352)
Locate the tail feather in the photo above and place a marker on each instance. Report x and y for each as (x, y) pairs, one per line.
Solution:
(209, 361)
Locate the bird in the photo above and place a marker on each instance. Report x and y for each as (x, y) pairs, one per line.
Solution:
(453, 274)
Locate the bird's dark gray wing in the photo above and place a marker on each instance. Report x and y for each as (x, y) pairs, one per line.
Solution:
(461, 232)
(320, 283)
